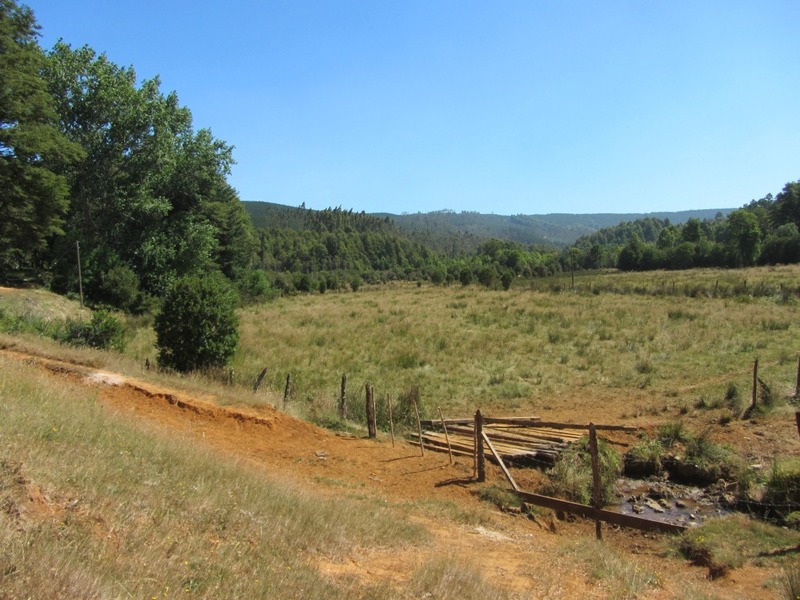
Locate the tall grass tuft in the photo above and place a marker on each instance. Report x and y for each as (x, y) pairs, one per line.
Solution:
(571, 476)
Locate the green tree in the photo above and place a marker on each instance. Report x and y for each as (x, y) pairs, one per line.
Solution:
(786, 208)
(197, 326)
(151, 190)
(630, 258)
(692, 231)
(33, 196)
(744, 237)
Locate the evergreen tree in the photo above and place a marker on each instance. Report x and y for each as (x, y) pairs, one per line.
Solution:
(33, 197)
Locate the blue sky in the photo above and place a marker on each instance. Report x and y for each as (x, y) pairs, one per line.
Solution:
(508, 107)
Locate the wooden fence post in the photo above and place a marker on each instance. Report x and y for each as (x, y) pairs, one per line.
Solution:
(597, 487)
(391, 419)
(372, 428)
(80, 275)
(480, 459)
(287, 391)
(749, 410)
(343, 399)
(446, 436)
(419, 428)
(260, 379)
(797, 420)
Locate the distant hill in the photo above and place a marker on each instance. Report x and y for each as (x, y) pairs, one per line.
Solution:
(557, 229)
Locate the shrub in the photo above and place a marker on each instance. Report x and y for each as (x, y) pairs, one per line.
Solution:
(711, 461)
(254, 286)
(404, 414)
(571, 477)
(783, 486)
(645, 459)
(104, 331)
(120, 287)
(671, 433)
(197, 327)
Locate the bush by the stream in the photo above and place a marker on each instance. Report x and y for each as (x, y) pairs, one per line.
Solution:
(571, 476)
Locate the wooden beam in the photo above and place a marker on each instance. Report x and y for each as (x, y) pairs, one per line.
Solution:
(554, 425)
(511, 420)
(500, 462)
(479, 456)
(608, 516)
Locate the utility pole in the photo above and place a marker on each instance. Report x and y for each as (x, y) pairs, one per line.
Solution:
(80, 277)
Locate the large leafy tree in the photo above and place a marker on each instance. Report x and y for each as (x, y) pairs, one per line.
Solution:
(150, 195)
(744, 237)
(33, 196)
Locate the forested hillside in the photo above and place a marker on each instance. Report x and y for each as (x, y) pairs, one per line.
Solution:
(458, 233)
(96, 164)
(764, 231)
(551, 229)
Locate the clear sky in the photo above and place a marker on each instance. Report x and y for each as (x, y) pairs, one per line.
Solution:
(506, 107)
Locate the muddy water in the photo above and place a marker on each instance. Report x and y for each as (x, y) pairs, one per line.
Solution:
(662, 500)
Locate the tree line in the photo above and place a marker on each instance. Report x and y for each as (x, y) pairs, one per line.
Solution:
(763, 232)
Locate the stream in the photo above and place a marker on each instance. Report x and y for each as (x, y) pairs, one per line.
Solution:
(669, 502)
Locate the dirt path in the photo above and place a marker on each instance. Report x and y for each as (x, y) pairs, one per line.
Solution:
(527, 558)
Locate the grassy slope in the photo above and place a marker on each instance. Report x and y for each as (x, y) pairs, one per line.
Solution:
(94, 507)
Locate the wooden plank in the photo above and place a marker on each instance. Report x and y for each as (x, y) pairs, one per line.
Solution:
(434, 447)
(511, 420)
(429, 423)
(554, 425)
(608, 516)
(486, 420)
(500, 462)
(446, 436)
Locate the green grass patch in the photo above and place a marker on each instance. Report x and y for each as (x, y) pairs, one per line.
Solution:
(571, 476)
(502, 498)
(730, 542)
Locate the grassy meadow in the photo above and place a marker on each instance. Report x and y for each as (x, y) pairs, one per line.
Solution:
(660, 339)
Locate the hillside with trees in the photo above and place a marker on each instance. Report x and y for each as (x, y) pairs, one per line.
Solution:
(97, 164)
(763, 232)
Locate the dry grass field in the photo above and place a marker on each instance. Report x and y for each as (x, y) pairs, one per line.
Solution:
(617, 347)
(114, 491)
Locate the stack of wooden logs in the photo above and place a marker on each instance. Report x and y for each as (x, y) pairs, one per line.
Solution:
(518, 440)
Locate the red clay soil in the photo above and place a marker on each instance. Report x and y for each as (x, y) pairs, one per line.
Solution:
(530, 559)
